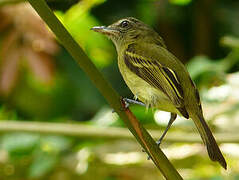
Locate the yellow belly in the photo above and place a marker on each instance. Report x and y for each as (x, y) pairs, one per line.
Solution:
(149, 95)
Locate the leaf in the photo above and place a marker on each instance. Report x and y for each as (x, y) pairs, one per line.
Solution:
(42, 164)
(55, 144)
(199, 65)
(230, 41)
(19, 143)
(206, 72)
(41, 65)
(9, 71)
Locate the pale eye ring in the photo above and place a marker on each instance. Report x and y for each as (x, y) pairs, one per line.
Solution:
(124, 24)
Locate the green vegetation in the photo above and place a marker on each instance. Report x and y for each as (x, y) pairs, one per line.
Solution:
(39, 81)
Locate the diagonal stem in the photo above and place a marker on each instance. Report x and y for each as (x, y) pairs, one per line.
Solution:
(142, 136)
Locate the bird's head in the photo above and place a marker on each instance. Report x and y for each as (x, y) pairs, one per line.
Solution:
(127, 31)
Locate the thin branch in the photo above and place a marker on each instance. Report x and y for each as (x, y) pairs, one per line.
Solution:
(89, 131)
(146, 141)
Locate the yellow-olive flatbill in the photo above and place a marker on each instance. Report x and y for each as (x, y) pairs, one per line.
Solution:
(157, 78)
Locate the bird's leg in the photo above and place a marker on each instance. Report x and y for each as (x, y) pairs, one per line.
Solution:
(128, 101)
(172, 119)
(131, 101)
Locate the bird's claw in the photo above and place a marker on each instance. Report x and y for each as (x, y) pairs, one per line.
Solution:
(158, 143)
(148, 158)
(126, 102)
(125, 106)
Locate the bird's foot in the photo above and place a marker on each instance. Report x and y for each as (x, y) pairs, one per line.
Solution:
(148, 158)
(158, 143)
(131, 101)
(128, 102)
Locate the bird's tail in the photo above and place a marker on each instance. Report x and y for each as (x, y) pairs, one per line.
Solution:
(208, 139)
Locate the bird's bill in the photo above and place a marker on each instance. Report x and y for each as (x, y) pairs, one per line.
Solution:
(105, 30)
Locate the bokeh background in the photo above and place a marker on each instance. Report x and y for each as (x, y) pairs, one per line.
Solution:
(55, 125)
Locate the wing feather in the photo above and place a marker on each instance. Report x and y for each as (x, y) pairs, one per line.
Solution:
(155, 74)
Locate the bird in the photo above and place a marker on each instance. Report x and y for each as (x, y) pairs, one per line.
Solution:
(157, 78)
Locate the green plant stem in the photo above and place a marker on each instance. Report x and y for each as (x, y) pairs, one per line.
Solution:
(89, 131)
(142, 136)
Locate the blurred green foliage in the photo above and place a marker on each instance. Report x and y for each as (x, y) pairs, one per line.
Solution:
(78, 22)
(202, 34)
(180, 2)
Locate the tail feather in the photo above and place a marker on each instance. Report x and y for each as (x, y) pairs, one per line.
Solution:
(208, 139)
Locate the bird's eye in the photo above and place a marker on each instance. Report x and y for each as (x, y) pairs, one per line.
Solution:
(124, 24)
